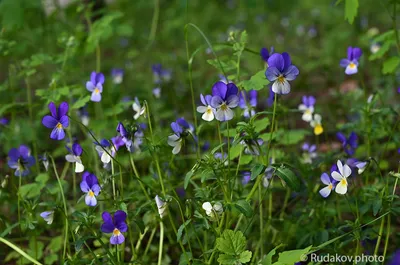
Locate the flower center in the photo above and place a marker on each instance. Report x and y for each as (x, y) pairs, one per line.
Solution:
(116, 232)
(224, 107)
(343, 182)
(209, 110)
(96, 90)
(307, 111)
(59, 125)
(352, 65)
(91, 193)
(318, 129)
(330, 186)
(281, 79)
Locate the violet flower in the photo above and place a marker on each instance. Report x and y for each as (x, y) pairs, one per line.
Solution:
(57, 121)
(349, 144)
(116, 226)
(21, 160)
(248, 102)
(351, 62)
(75, 157)
(95, 85)
(90, 185)
(224, 99)
(280, 70)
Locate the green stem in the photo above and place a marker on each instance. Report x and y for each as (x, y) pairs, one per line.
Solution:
(113, 180)
(160, 249)
(154, 22)
(261, 220)
(20, 251)
(378, 241)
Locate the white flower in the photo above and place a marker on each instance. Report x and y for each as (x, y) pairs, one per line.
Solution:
(161, 205)
(48, 216)
(104, 156)
(79, 167)
(138, 109)
(213, 210)
(307, 112)
(341, 177)
(316, 124)
(176, 142)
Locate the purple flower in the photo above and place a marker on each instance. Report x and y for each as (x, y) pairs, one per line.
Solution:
(117, 75)
(75, 157)
(330, 185)
(4, 121)
(265, 54)
(116, 226)
(90, 185)
(280, 71)
(395, 259)
(48, 216)
(57, 121)
(95, 85)
(21, 160)
(206, 109)
(246, 177)
(351, 62)
(157, 92)
(248, 101)
(181, 129)
(104, 145)
(349, 144)
(355, 164)
(125, 136)
(160, 74)
(307, 107)
(310, 152)
(224, 98)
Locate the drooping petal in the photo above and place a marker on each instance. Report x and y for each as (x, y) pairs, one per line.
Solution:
(272, 73)
(90, 200)
(351, 69)
(208, 115)
(281, 87)
(276, 60)
(177, 147)
(291, 73)
(341, 188)
(325, 179)
(49, 121)
(325, 192)
(79, 167)
(117, 239)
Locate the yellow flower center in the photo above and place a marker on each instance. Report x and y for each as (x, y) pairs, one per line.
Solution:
(96, 90)
(343, 182)
(352, 65)
(91, 193)
(281, 79)
(307, 111)
(116, 232)
(330, 186)
(59, 125)
(224, 107)
(209, 110)
(318, 129)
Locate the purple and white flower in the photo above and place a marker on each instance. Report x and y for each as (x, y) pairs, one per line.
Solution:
(75, 157)
(280, 71)
(224, 100)
(351, 62)
(95, 85)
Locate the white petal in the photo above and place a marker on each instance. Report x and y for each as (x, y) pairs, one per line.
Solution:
(340, 167)
(346, 171)
(201, 109)
(302, 107)
(317, 118)
(173, 140)
(228, 114)
(207, 206)
(177, 148)
(90, 200)
(220, 115)
(325, 192)
(135, 107)
(208, 116)
(136, 116)
(336, 176)
(218, 207)
(307, 116)
(281, 88)
(341, 188)
(105, 158)
(351, 70)
(70, 158)
(79, 167)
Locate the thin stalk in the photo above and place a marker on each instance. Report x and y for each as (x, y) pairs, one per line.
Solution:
(261, 220)
(113, 180)
(149, 242)
(160, 248)
(154, 22)
(378, 241)
(20, 251)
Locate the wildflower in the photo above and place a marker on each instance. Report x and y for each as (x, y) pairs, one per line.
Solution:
(268, 174)
(75, 157)
(252, 146)
(161, 205)
(57, 121)
(90, 185)
(265, 54)
(330, 185)
(125, 136)
(157, 92)
(355, 164)
(207, 110)
(375, 47)
(117, 75)
(44, 160)
(4, 121)
(280, 70)
(246, 177)
(349, 144)
(213, 210)
(341, 177)
(248, 101)
(48, 216)
(224, 99)
(140, 110)
(181, 129)
(104, 150)
(307, 107)
(223, 158)
(351, 63)
(116, 226)
(316, 124)
(84, 115)
(21, 160)
(160, 74)
(95, 85)
(309, 152)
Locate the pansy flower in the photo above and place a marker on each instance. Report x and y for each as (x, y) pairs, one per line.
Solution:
(43, 158)
(349, 144)
(213, 210)
(75, 157)
(117, 75)
(223, 158)
(181, 129)
(104, 156)
(341, 177)
(252, 146)
(307, 107)
(268, 174)
(224, 100)
(116, 226)
(140, 110)
(207, 110)
(157, 92)
(316, 123)
(330, 185)
(161, 206)
(246, 177)
(21, 160)
(280, 71)
(265, 54)
(126, 136)
(351, 62)
(84, 115)
(95, 85)
(360, 166)
(160, 74)
(248, 102)
(90, 185)
(309, 152)
(48, 216)
(4, 121)
(57, 121)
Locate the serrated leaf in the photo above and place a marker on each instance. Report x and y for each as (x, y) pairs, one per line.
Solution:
(245, 256)
(231, 242)
(351, 8)
(244, 207)
(390, 65)
(288, 176)
(227, 259)
(257, 170)
(256, 82)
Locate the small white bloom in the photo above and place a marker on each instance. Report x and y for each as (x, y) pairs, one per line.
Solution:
(176, 142)
(161, 205)
(79, 167)
(48, 216)
(341, 177)
(138, 109)
(307, 112)
(213, 210)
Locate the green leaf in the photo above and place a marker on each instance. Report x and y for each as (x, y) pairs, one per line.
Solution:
(261, 124)
(256, 82)
(257, 170)
(350, 10)
(235, 151)
(227, 259)
(267, 260)
(244, 207)
(376, 206)
(81, 102)
(382, 51)
(180, 230)
(188, 176)
(30, 190)
(226, 66)
(231, 242)
(288, 177)
(245, 159)
(390, 65)
(230, 132)
(55, 244)
(245, 256)
(185, 258)
(42, 178)
(292, 256)
(292, 137)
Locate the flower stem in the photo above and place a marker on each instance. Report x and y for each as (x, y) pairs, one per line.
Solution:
(160, 249)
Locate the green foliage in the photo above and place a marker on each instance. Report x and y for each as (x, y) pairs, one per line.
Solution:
(351, 9)
(390, 65)
(256, 82)
(289, 177)
(232, 246)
